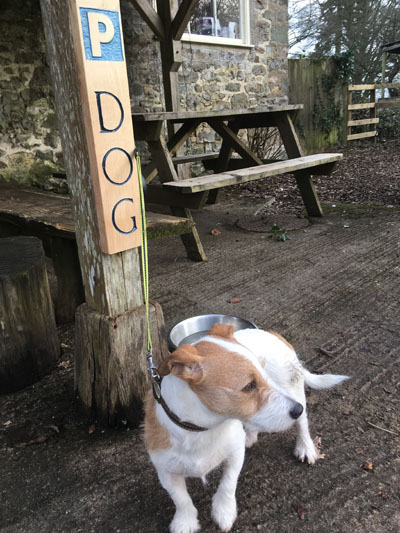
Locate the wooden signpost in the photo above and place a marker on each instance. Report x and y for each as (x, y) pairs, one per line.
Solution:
(87, 63)
(103, 81)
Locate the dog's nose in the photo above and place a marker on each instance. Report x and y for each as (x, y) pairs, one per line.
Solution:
(296, 410)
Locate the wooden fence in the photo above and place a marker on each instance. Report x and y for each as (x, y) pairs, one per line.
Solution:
(322, 122)
(367, 101)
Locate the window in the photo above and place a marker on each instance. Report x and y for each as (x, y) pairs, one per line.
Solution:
(220, 21)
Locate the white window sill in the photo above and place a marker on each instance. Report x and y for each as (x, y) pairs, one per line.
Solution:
(221, 41)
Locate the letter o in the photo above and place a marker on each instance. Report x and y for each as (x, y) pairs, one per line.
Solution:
(130, 166)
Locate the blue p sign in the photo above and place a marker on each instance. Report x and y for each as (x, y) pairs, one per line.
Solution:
(101, 34)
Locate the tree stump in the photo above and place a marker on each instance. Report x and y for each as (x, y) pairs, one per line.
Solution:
(29, 345)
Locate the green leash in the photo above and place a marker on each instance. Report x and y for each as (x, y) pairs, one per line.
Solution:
(145, 272)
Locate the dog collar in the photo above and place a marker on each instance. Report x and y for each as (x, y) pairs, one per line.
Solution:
(171, 415)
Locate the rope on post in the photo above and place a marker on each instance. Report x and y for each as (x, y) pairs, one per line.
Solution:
(145, 273)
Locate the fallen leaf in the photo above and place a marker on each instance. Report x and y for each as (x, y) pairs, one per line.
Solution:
(65, 346)
(317, 443)
(54, 428)
(39, 440)
(8, 423)
(383, 494)
(215, 232)
(65, 364)
(234, 300)
(300, 509)
(92, 429)
(367, 465)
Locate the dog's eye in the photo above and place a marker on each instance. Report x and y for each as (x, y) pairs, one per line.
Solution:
(250, 386)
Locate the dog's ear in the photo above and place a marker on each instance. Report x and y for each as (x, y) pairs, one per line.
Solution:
(184, 362)
(222, 330)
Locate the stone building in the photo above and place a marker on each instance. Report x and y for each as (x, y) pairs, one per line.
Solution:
(227, 64)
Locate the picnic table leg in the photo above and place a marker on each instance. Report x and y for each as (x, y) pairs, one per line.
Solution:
(222, 162)
(191, 241)
(303, 177)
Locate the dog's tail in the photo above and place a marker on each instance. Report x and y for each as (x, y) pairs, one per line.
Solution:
(322, 381)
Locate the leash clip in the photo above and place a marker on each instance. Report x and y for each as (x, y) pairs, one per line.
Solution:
(156, 380)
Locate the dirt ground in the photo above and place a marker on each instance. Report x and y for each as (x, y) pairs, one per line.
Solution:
(333, 290)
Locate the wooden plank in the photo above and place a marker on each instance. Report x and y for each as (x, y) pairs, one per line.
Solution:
(372, 111)
(38, 212)
(224, 179)
(151, 17)
(156, 194)
(364, 135)
(349, 111)
(388, 85)
(98, 45)
(228, 114)
(178, 160)
(361, 106)
(362, 87)
(388, 103)
(363, 122)
(182, 17)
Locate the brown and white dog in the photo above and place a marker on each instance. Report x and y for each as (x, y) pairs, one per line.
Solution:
(227, 380)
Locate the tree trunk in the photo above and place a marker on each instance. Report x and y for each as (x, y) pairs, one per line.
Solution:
(29, 345)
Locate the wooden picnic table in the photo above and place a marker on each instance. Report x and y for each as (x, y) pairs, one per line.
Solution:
(192, 193)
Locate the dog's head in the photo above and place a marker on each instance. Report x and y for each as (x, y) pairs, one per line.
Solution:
(228, 380)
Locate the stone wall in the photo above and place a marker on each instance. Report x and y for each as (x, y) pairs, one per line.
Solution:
(29, 143)
(211, 77)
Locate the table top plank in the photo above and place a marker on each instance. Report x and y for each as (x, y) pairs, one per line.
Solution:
(224, 114)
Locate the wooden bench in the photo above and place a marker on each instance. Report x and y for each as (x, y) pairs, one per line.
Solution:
(320, 164)
(30, 211)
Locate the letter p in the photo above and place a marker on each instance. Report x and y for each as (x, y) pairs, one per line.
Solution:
(101, 29)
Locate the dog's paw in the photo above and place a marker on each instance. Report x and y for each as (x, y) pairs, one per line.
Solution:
(224, 511)
(185, 522)
(251, 438)
(309, 452)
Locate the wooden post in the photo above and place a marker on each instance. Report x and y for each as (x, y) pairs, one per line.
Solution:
(349, 112)
(87, 62)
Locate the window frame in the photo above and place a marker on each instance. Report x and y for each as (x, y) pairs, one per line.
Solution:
(244, 41)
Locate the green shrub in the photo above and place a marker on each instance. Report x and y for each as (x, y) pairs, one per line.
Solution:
(389, 123)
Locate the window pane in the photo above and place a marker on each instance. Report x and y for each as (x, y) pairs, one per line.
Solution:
(220, 18)
(203, 20)
(228, 18)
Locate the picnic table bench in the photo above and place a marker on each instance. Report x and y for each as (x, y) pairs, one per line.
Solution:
(182, 195)
(49, 216)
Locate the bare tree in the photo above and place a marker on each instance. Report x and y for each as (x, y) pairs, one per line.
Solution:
(359, 26)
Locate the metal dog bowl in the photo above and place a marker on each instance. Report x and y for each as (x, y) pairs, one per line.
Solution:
(192, 329)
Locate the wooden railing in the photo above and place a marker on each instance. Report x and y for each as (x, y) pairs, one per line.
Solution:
(373, 104)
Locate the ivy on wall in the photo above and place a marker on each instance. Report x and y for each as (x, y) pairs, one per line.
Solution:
(327, 114)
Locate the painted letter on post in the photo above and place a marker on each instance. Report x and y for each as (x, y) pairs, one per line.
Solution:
(100, 57)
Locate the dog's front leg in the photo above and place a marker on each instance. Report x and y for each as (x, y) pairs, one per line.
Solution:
(185, 518)
(224, 500)
(305, 449)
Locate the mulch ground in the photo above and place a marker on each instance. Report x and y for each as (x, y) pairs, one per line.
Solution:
(369, 174)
